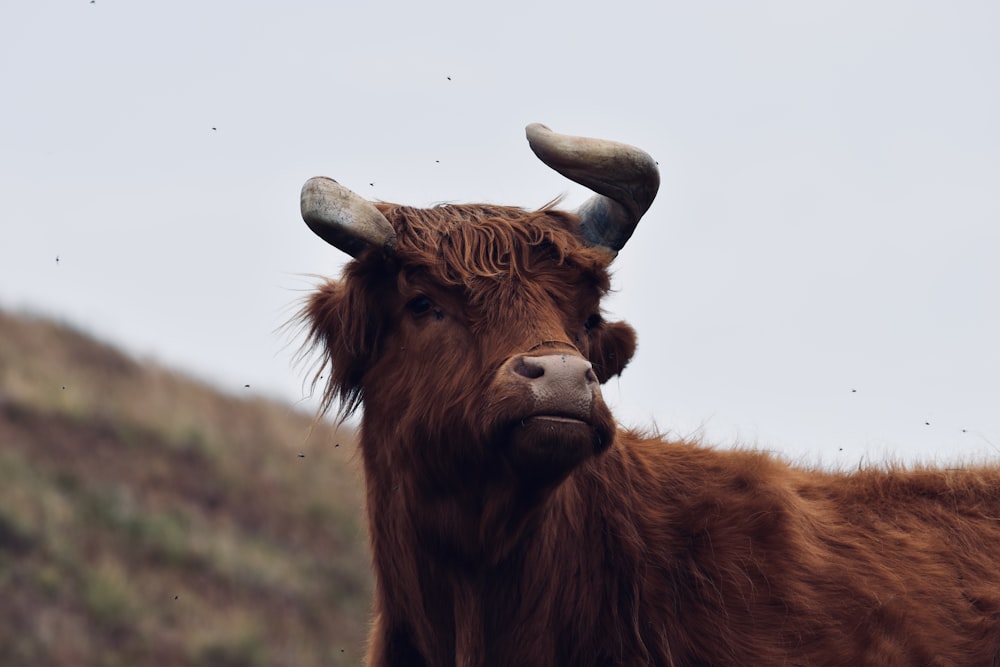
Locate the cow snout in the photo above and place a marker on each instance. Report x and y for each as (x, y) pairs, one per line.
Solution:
(562, 385)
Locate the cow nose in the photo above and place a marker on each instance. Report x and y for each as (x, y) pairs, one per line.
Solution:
(562, 384)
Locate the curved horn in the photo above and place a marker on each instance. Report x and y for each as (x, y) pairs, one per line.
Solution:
(344, 219)
(625, 179)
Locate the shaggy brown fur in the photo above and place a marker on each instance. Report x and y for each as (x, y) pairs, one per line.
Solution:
(644, 551)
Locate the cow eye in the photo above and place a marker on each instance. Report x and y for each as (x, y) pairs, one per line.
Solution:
(420, 305)
(592, 322)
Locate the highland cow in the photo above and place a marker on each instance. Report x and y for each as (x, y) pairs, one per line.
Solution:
(513, 523)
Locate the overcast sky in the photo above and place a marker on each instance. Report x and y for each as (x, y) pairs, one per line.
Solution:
(820, 274)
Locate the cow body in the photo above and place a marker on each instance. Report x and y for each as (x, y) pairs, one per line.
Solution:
(672, 554)
(513, 523)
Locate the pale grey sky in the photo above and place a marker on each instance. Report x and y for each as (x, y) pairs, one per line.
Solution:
(818, 276)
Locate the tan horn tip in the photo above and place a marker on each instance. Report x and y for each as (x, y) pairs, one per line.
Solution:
(343, 218)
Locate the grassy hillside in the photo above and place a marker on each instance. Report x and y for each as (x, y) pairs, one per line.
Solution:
(146, 519)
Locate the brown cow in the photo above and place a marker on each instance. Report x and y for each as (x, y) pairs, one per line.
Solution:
(513, 523)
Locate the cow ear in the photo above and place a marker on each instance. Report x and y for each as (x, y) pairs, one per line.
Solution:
(612, 347)
(343, 326)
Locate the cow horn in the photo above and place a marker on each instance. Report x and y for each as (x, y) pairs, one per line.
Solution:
(344, 219)
(625, 179)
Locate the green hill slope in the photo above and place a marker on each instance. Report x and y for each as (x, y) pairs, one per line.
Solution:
(146, 519)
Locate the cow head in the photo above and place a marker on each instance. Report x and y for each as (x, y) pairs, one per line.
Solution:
(473, 334)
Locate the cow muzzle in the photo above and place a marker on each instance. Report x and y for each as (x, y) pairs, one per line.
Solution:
(556, 417)
(562, 386)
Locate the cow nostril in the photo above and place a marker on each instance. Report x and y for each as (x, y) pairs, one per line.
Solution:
(528, 367)
(555, 368)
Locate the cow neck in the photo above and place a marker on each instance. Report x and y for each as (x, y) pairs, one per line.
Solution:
(515, 556)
